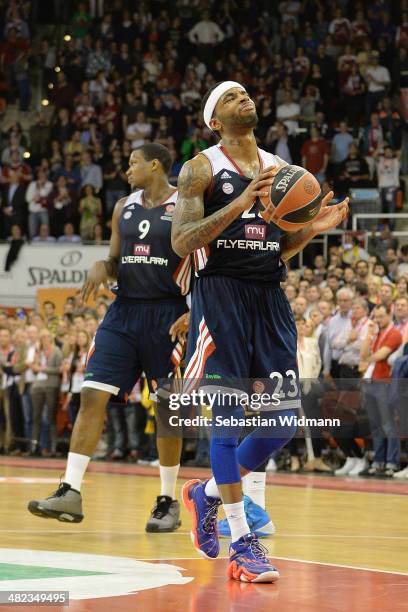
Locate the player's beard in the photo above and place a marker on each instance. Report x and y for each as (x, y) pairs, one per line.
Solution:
(248, 120)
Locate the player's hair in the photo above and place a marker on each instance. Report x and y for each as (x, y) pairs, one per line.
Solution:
(155, 150)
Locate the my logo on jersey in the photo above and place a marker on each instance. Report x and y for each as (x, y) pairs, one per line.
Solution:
(127, 215)
(141, 249)
(227, 188)
(225, 175)
(255, 232)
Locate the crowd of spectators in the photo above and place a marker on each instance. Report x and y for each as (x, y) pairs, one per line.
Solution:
(326, 77)
(351, 314)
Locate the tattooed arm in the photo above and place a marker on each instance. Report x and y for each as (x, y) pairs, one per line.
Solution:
(190, 229)
(328, 218)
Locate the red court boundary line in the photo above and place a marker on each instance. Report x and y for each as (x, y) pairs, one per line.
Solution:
(312, 481)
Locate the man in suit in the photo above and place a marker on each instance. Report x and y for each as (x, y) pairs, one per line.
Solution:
(14, 207)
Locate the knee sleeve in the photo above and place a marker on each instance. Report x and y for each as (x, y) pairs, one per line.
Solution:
(259, 445)
(224, 443)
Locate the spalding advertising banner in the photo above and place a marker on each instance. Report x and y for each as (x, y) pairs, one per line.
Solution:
(41, 267)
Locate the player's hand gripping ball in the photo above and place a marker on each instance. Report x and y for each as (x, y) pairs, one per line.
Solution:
(293, 200)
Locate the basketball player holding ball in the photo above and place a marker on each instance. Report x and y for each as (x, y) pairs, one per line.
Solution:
(241, 324)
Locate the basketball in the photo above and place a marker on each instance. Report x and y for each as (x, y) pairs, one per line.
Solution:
(294, 199)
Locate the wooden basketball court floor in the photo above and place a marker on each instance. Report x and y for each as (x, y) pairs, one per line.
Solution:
(341, 545)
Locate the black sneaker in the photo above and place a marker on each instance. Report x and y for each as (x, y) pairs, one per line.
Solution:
(165, 516)
(65, 505)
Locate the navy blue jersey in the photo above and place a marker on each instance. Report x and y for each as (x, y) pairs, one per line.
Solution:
(149, 269)
(249, 248)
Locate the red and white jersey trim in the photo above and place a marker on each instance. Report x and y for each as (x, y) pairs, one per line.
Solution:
(182, 275)
(205, 346)
(201, 257)
(219, 161)
(91, 351)
(177, 354)
(137, 197)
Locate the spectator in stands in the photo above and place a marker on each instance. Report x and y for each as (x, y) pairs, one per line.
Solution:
(71, 173)
(280, 143)
(73, 368)
(353, 90)
(340, 28)
(354, 254)
(350, 342)
(50, 317)
(388, 170)
(74, 146)
(390, 120)
(337, 326)
(312, 296)
(378, 79)
(60, 205)
(98, 60)
(139, 132)
(353, 171)
(309, 362)
(341, 144)
(6, 351)
(13, 204)
(91, 173)
(207, 35)
(193, 145)
(381, 341)
(288, 112)
(45, 390)
(300, 307)
(116, 184)
(22, 169)
(403, 265)
(63, 94)
(37, 200)
(315, 155)
(69, 235)
(40, 133)
(44, 235)
(90, 209)
(372, 141)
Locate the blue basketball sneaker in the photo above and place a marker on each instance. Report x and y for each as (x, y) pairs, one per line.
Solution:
(203, 510)
(249, 561)
(258, 521)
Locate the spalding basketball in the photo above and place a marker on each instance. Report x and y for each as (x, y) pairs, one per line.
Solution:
(294, 199)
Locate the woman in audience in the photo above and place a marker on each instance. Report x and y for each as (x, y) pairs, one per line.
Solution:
(45, 390)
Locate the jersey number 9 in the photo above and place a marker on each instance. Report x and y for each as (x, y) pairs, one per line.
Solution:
(144, 227)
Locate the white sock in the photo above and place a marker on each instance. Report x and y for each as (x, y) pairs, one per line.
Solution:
(236, 518)
(168, 480)
(253, 485)
(75, 470)
(211, 488)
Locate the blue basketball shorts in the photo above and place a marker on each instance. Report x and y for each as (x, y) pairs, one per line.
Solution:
(133, 338)
(243, 335)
